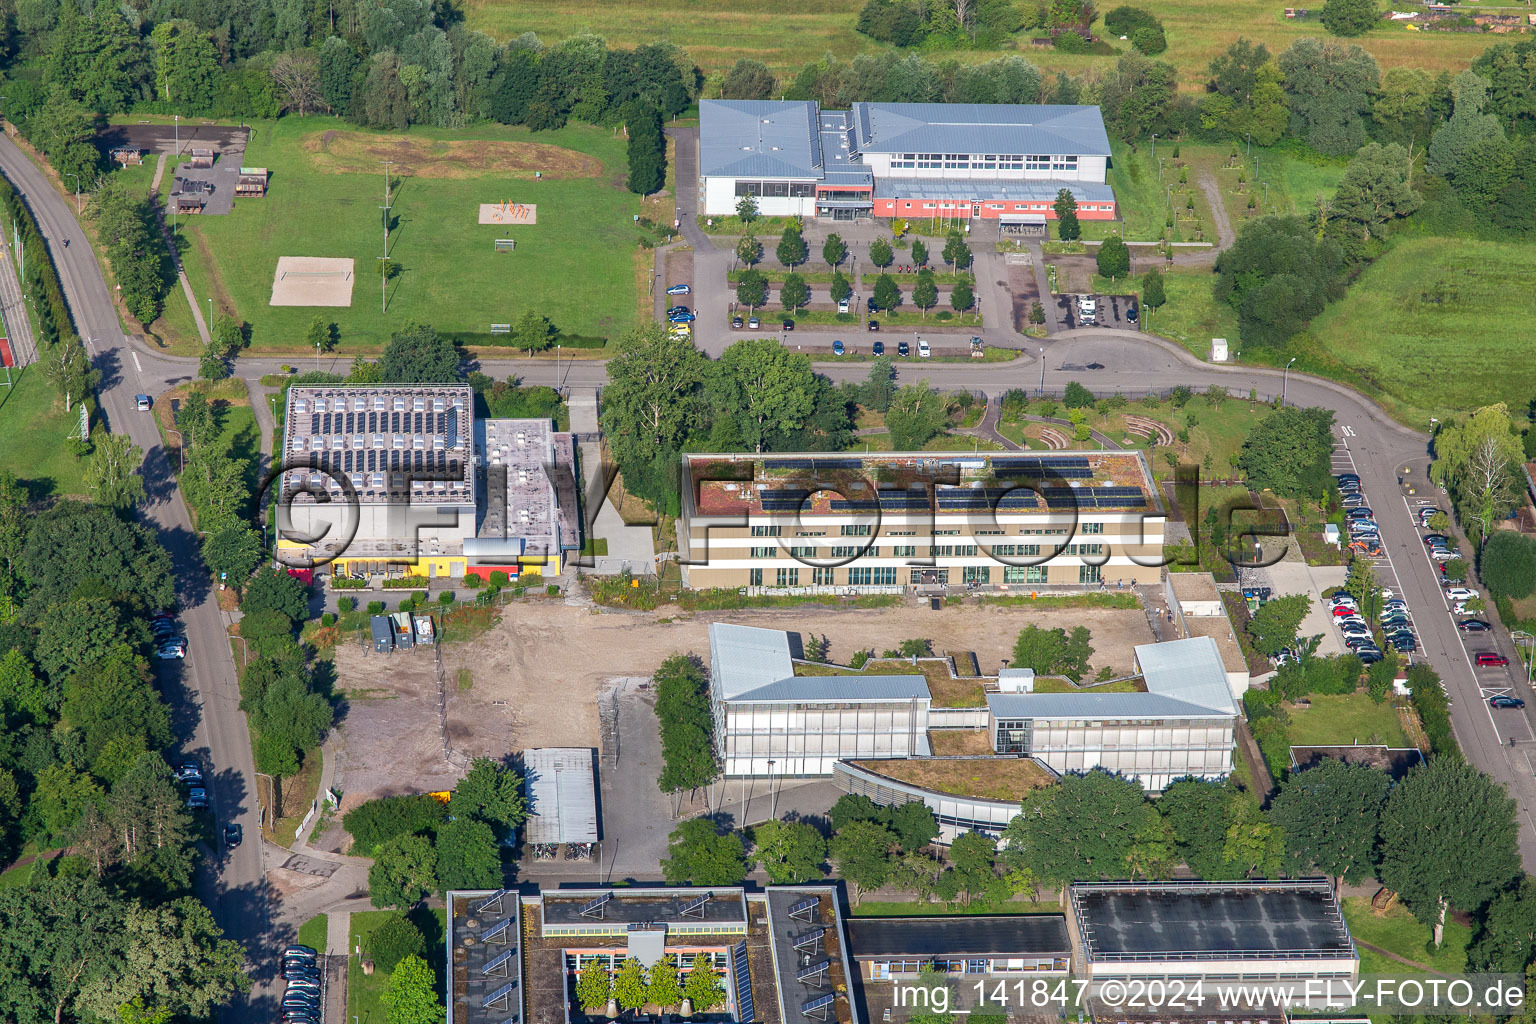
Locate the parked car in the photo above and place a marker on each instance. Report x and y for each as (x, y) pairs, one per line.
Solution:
(188, 771)
(753, 323)
(1341, 597)
(1489, 659)
(1369, 657)
(197, 798)
(684, 317)
(837, 348)
(1473, 626)
(872, 306)
(142, 402)
(1459, 593)
(787, 324)
(874, 325)
(1130, 314)
(877, 349)
(903, 349)
(170, 652)
(233, 833)
(923, 351)
(1436, 538)
(676, 309)
(678, 289)
(844, 304)
(1505, 702)
(1340, 610)
(737, 322)
(299, 950)
(1347, 478)
(1360, 513)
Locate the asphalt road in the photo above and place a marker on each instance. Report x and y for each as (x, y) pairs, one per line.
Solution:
(203, 689)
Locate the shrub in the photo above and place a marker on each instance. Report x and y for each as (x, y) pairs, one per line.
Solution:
(553, 590)
(377, 821)
(375, 607)
(347, 604)
(327, 619)
(499, 579)
(393, 941)
(472, 581)
(445, 598)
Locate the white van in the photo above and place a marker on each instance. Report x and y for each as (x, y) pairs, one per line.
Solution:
(1087, 308)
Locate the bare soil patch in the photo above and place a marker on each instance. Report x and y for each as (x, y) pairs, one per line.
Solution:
(539, 673)
(346, 152)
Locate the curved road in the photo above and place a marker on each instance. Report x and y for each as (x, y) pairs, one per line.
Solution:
(1380, 448)
(203, 690)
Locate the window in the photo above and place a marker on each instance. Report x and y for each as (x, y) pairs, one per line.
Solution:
(803, 551)
(904, 550)
(1016, 550)
(856, 530)
(1064, 163)
(885, 577)
(765, 552)
(1088, 574)
(801, 189)
(749, 188)
(977, 574)
(946, 533)
(844, 552)
(767, 531)
(775, 189)
(956, 550)
(1091, 528)
(859, 577)
(956, 161)
(1085, 549)
(755, 577)
(789, 577)
(821, 577)
(928, 206)
(1037, 163)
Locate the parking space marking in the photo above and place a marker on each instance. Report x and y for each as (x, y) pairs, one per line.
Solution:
(1382, 564)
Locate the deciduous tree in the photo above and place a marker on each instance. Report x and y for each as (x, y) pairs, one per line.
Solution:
(112, 474)
(700, 854)
(419, 355)
(1083, 828)
(791, 852)
(411, 996)
(862, 850)
(404, 872)
(1114, 258)
(1329, 814)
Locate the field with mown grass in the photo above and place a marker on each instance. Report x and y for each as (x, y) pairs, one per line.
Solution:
(576, 265)
(718, 32)
(35, 426)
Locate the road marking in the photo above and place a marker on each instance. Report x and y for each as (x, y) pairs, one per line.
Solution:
(1348, 431)
(136, 364)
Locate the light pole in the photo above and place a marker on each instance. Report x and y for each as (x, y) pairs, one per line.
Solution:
(773, 796)
(72, 174)
(181, 446)
(1527, 641)
(1042, 371)
(1249, 136)
(1285, 379)
(1154, 145)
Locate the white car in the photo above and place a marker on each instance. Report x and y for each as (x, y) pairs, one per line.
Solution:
(923, 351)
(843, 304)
(1338, 599)
(1460, 594)
(1462, 609)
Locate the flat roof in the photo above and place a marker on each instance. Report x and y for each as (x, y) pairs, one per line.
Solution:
(1023, 128)
(796, 993)
(520, 502)
(384, 439)
(1028, 934)
(562, 796)
(1199, 920)
(919, 484)
(479, 937)
(749, 663)
(1194, 586)
(648, 906)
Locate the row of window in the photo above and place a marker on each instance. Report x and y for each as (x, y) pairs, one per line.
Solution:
(1018, 207)
(886, 576)
(864, 530)
(983, 162)
(776, 189)
(910, 550)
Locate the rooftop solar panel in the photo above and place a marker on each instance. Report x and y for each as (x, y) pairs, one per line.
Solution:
(498, 963)
(743, 982)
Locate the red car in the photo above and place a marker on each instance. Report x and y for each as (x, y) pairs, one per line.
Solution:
(1488, 659)
(1339, 611)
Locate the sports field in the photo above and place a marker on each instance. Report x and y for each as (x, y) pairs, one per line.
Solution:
(789, 33)
(1437, 325)
(575, 265)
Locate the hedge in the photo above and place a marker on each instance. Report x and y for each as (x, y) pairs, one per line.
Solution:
(487, 340)
(52, 314)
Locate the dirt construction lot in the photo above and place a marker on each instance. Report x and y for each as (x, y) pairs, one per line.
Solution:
(537, 676)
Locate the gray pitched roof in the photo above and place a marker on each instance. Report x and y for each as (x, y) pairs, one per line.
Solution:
(1094, 705)
(980, 128)
(800, 689)
(759, 138)
(743, 658)
(1188, 670)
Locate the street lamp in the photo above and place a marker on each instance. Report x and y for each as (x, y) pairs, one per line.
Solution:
(1042, 371)
(1154, 144)
(72, 174)
(773, 796)
(181, 446)
(1285, 379)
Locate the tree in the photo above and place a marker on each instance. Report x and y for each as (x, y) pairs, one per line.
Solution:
(862, 850)
(699, 854)
(1053, 652)
(652, 380)
(747, 80)
(765, 386)
(646, 149)
(887, 293)
(687, 726)
(1254, 842)
(1067, 228)
(174, 954)
(834, 250)
(1507, 564)
(1082, 828)
(1199, 813)
(791, 852)
(69, 370)
(1375, 188)
(404, 872)
(1350, 17)
(1506, 942)
(961, 297)
(273, 589)
(881, 254)
(1288, 452)
(663, 989)
(925, 294)
(72, 543)
(393, 941)
(232, 552)
(296, 73)
(212, 364)
(1447, 840)
(1152, 293)
(791, 250)
(410, 996)
(1329, 87)
(1277, 276)
(752, 289)
(468, 856)
(419, 355)
(916, 415)
(492, 793)
(112, 475)
(794, 292)
(1329, 814)
(841, 288)
(702, 987)
(1152, 850)
(914, 823)
(594, 987)
(22, 693)
(749, 250)
(746, 209)
(533, 332)
(1477, 456)
(956, 253)
(973, 877)
(1273, 627)
(1114, 259)
(629, 987)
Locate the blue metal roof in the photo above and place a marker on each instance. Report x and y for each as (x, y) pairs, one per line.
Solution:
(743, 658)
(1094, 705)
(1048, 129)
(759, 138)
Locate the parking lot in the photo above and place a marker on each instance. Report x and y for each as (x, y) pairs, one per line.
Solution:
(1343, 461)
(1112, 311)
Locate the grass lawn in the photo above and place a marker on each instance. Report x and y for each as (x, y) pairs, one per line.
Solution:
(35, 425)
(312, 932)
(1191, 316)
(1349, 718)
(327, 185)
(365, 993)
(717, 32)
(1399, 932)
(1436, 326)
(999, 778)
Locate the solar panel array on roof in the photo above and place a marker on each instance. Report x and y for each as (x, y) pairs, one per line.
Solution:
(1069, 468)
(813, 464)
(811, 1006)
(498, 963)
(743, 981)
(493, 900)
(803, 909)
(987, 497)
(499, 996)
(783, 500)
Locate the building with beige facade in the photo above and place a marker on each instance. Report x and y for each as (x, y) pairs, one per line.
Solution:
(888, 521)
